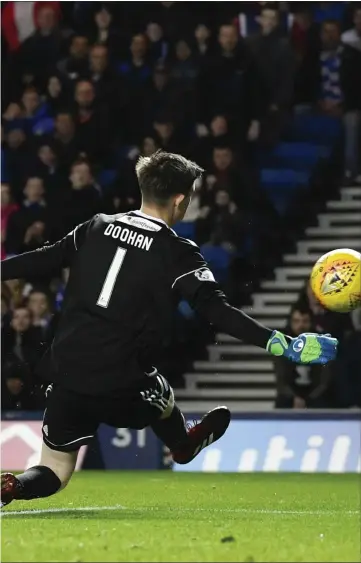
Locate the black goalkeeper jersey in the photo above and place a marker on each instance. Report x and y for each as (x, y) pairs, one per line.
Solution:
(127, 273)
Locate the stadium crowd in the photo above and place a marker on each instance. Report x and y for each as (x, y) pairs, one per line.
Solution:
(96, 85)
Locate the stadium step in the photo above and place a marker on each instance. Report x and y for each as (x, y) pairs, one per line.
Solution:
(242, 374)
(261, 300)
(226, 366)
(278, 310)
(302, 258)
(332, 232)
(273, 322)
(282, 285)
(323, 246)
(328, 220)
(288, 273)
(221, 394)
(192, 379)
(342, 205)
(215, 351)
(352, 193)
(190, 406)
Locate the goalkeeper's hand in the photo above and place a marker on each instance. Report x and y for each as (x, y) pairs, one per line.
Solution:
(307, 348)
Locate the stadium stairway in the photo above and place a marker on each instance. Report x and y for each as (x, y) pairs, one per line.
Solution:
(241, 375)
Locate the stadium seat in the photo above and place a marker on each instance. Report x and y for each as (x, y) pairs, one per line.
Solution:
(280, 185)
(315, 128)
(298, 156)
(185, 229)
(283, 176)
(106, 177)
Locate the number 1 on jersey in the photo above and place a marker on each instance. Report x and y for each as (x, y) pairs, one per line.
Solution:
(108, 286)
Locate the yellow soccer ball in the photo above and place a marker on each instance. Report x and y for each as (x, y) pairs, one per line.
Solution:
(336, 280)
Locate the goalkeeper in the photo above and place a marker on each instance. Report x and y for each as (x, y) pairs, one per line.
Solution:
(116, 315)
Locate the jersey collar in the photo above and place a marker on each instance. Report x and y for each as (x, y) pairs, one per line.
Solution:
(146, 216)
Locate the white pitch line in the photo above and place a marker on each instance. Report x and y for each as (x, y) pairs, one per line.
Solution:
(57, 510)
(159, 509)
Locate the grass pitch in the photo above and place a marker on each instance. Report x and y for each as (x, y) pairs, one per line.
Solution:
(165, 516)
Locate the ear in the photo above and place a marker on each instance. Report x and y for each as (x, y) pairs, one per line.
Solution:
(179, 199)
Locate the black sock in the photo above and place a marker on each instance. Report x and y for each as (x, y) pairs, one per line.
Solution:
(38, 482)
(172, 430)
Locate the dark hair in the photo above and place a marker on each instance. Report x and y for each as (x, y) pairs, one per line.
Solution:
(163, 175)
(300, 308)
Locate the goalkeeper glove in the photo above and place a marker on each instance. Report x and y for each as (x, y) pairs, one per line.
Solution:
(307, 348)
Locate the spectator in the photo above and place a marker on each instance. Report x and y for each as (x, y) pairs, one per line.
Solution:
(33, 210)
(106, 33)
(160, 96)
(166, 131)
(352, 37)
(65, 141)
(175, 18)
(223, 219)
(39, 307)
(328, 78)
(75, 64)
(39, 53)
(225, 175)
(203, 46)
(92, 122)
(36, 236)
(14, 290)
(18, 158)
(23, 341)
(208, 138)
(56, 95)
(82, 200)
(158, 46)
(17, 388)
(136, 70)
(275, 65)
(184, 69)
(149, 146)
(304, 34)
(8, 207)
(32, 107)
(105, 81)
(303, 386)
(47, 168)
(229, 84)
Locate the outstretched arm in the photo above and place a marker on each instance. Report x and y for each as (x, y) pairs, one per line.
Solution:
(196, 283)
(45, 260)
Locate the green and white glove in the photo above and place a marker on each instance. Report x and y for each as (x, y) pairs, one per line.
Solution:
(307, 348)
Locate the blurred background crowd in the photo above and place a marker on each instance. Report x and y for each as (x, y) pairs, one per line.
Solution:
(87, 87)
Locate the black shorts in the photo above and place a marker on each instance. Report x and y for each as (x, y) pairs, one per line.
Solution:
(71, 420)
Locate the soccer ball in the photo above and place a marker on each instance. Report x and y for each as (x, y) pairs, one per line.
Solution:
(336, 280)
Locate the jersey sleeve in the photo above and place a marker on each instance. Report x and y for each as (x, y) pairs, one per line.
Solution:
(191, 274)
(194, 280)
(46, 260)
